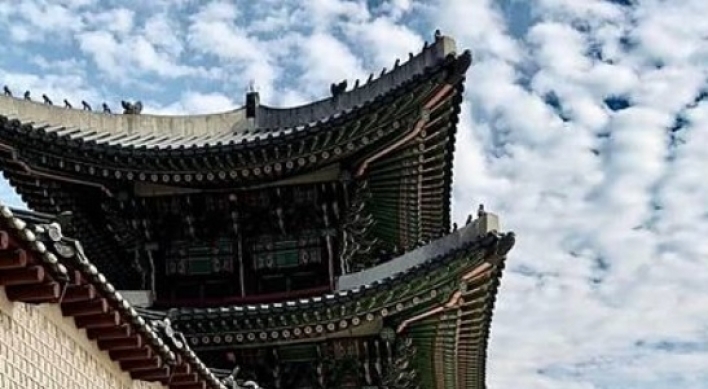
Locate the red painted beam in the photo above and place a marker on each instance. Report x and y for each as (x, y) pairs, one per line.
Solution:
(122, 331)
(197, 385)
(184, 379)
(183, 369)
(106, 320)
(141, 364)
(78, 293)
(131, 354)
(13, 259)
(130, 342)
(162, 373)
(4, 240)
(22, 276)
(85, 308)
(34, 294)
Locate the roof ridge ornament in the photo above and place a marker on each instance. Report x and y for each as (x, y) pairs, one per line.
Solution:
(132, 108)
(253, 100)
(456, 71)
(338, 89)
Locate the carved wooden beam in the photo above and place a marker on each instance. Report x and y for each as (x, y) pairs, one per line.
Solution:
(196, 385)
(34, 294)
(22, 276)
(122, 331)
(184, 379)
(13, 259)
(106, 320)
(85, 308)
(183, 369)
(131, 354)
(4, 240)
(78, 293)
(162, 373)
(127, 343)
(141, 364)
(77, 278)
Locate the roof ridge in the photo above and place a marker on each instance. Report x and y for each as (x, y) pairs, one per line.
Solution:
(341, 100)
(238, 119)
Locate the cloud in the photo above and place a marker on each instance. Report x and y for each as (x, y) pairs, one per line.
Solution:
(117, 20)
(327, 59)
(192, 102)
(385, 40)
(213, 31)
(164, 34)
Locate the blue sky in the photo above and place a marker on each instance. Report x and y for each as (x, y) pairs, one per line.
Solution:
(583, 127)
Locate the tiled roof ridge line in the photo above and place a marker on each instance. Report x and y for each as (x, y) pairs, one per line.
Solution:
(430, 55)
(412, 60)
(476, 230)
(46, 100)
(221, 124)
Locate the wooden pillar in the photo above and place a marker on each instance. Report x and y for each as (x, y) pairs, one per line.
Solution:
(330, 248)
(241, 277)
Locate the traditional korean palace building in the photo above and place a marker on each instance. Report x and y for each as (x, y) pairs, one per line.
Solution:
(307, 247)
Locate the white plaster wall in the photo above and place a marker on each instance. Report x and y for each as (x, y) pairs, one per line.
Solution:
(41, 349)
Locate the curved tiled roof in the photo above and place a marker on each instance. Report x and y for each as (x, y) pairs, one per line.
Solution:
(72, 281)
(124, 155)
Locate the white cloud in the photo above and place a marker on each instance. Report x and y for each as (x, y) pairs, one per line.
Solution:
(323, 14)
(326, 60)
(119, 55)
(385, 40)
(213, 31)
(476, 24)
(196, 103)
(49, 17)
(164, 33)
(117, 20)
(104, 48)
